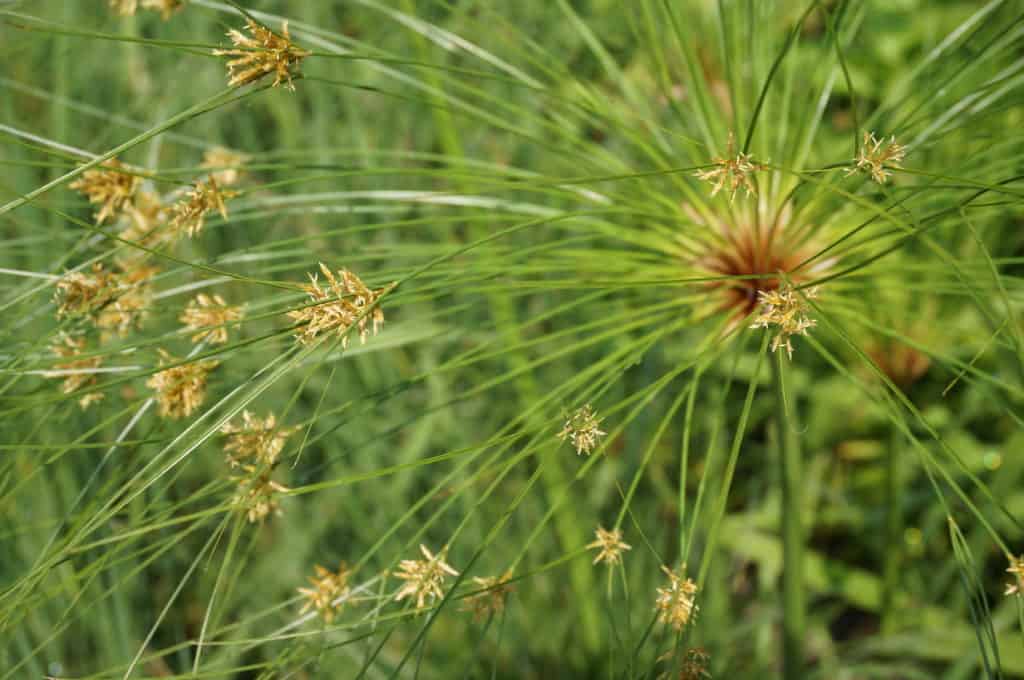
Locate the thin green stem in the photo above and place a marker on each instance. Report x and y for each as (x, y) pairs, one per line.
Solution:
(893, 530)
(793, 612)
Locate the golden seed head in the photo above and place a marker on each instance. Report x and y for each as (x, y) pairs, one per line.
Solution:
(226, 166)
(787, 309)
(494, 591)
(147, 215)
(189, 214)
(129, 308)
(675, 602)
(875, 154)
(257, 494)
(695, 664)
(733, 170)
(581, 429)
(264, 53)
(344, 302)
(67, 346)
(84, 294)
(609, 545)
(328, 591)
(114, 301)
(258, 439)
(424, 578)
(210, 315)
(1017, 569)
(180, 389)
(107, 186)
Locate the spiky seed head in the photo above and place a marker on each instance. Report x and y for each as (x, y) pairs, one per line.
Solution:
(733, 171)
(494, 591)
(226, 166)
(264, 53)
(786, 309)
(210, 315)
(1017, 569)
(609, 545)
(345, 302)
(582, 431)
(675, 602)
(107, 186)
(424, 578)
(79, 371)
(876, 154)
(257, 439)
(180, 389)
(189, 213)
(257, 494)
(328, 592)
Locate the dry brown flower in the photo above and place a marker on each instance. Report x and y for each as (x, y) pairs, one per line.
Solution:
(189, 214)
(424, 578)
(1017, 569)
(226, 165)
(875, 154)
(257, 494)
(581, 429)
(264, 53)
(787, 309)
(210, 315)
(84, 294)
(344, 302)
(147, 217)
(610, 546)
(107, 186)
(494, 591)
(133, 299)
(733, 170)
(675, 602)
(260, 440)
(67, 347)
(180, 389)
(328, 588)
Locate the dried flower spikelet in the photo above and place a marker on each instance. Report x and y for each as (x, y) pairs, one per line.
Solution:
(424, 578)
(675, 602)
(166, 7)
(133, 299)
(787, 309)
(125, 8)
(84, 294)
(348, 303)
(67, 346)
(733, 171)
(189, 214)
(1017, 569)
(695, 665)
(494, 591)
(210, 315)
(257, 494)
(582, 431)
(226, 166)
(180, 389)
(108, 186)
(256, 439)
(146, 218)
(609, 545)
(264, 53)
(328, 591)
(875, 154)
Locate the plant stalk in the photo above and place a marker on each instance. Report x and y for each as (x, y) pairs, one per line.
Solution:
(893, 532)
(793, 605)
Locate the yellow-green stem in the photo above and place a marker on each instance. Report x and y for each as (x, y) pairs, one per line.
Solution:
(793, 606)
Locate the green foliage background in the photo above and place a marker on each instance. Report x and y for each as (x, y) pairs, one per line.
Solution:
(520, 169)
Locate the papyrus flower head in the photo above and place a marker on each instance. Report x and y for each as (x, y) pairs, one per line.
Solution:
(582, 431)
(609, 545)
(85, 293)
(108, 187)
(264, 53)
(180, 389)
(733, 171)
(257, 493)
(344, 302)
(258, 439)
(114, 300)
(424, 578)
(875, 154)
(786, 309)
(1017, 569)
(132, 301)
(189, 213)
(80, 372)
(226, 166)
(327, 591)
(494, 591)
(210, 315)
(675, 602)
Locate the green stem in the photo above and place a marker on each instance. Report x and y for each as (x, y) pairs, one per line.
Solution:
(793, 613)
(893, 531)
